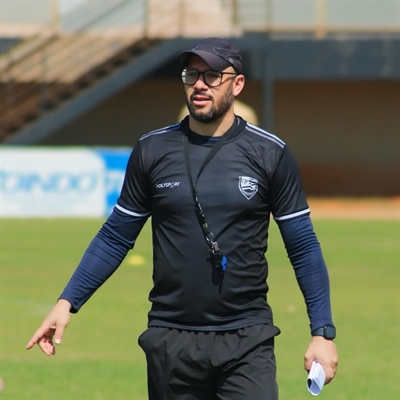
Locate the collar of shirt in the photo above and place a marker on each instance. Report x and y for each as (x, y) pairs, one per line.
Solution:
(194, 138)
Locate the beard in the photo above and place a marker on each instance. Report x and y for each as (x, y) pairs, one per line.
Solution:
(217, 110)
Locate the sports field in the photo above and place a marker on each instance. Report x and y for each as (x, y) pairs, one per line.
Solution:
(100, 359)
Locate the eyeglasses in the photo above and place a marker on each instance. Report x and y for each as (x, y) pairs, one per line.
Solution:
(211, 78)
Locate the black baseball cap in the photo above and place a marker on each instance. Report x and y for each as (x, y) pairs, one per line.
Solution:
(217, 53)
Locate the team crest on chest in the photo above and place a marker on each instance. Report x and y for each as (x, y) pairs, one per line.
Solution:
(248, 186)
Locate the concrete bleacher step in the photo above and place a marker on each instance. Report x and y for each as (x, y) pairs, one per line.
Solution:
(67, 58)
(25, 49)
(30, 96)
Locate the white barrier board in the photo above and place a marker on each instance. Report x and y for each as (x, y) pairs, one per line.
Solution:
(51, 182)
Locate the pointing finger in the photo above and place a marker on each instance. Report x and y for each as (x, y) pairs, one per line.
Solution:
(40, 333)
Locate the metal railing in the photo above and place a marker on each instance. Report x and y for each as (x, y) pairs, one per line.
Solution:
(88, 14)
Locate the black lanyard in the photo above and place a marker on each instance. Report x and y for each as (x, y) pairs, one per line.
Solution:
(219, 260)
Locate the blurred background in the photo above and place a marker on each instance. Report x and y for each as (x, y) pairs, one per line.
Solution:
(82, 80)
(323, 75)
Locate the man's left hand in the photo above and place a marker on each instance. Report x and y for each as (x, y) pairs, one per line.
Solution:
(323, 351)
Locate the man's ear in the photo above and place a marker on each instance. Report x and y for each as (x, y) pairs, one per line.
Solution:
(238, 85)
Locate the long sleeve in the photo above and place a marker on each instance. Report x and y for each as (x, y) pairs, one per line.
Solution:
(304, 252)
(103, 256)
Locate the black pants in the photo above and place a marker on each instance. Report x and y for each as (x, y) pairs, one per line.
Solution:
(231, 365)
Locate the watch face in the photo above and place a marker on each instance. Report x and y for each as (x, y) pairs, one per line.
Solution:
(330, 332)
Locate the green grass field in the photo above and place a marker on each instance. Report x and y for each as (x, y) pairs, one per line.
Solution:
(100, 359)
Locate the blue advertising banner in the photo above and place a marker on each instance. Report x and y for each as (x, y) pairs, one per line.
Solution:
(47, 182)
(115, 162)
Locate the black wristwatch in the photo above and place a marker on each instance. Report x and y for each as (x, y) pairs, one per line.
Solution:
(327, 331)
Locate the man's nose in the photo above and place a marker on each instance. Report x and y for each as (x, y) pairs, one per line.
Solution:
(200, 83)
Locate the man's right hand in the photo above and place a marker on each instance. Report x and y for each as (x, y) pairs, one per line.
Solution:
(52, 327)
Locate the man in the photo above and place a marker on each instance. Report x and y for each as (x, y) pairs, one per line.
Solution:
(210, 184)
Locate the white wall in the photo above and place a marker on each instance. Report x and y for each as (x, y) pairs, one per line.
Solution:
(374, 14)
(65, 6)
(26, 12)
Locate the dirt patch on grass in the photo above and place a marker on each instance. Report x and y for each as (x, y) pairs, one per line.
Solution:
(354, 208)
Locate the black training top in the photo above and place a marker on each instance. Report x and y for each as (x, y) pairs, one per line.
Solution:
(252, 176)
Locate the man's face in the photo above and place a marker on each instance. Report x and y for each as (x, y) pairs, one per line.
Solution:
(208, 104)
